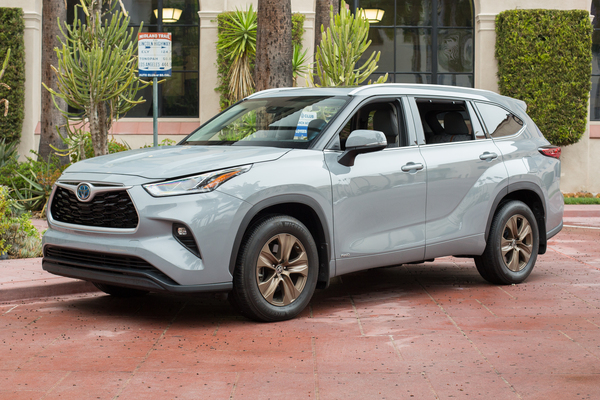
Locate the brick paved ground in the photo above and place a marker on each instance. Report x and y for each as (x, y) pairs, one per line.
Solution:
(428, 331)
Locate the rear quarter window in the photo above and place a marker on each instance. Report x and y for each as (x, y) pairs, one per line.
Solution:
(498, 121)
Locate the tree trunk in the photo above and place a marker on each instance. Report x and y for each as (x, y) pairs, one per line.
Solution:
(51, 118)
(100, 120)
(322, 8)
(273, 66)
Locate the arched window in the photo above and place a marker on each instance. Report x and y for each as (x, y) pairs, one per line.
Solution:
(595, 95)
(422, 41)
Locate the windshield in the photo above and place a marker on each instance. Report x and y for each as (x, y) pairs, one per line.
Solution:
(277, 122)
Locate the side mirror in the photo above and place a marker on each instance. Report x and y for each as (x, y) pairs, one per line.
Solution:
(362, 141)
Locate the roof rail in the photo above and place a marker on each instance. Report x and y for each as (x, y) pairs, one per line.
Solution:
(271, 90)
(361, 88)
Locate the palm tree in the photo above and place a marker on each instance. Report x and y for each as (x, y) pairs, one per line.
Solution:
(52, 118)
(274, 44)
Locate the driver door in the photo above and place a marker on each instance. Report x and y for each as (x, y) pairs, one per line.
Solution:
(379, 202)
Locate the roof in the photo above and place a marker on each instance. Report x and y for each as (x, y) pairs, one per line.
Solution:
(394, 89)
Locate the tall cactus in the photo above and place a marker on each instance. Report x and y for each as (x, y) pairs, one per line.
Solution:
(342, 46)
(96, 69)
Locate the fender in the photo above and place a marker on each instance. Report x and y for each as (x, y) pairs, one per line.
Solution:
(511, 188)
(281, 200)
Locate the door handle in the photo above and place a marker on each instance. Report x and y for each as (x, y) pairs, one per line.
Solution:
(487, 156)
(411, 166)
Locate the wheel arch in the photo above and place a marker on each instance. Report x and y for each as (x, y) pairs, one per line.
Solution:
(530, 194)
(303, 208)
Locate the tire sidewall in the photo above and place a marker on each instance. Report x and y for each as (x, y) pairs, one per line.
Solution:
(262, 232)
(506, 212)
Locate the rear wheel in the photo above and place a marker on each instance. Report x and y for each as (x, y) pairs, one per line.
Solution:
(512, 245)
(276, 271)
(119, 291)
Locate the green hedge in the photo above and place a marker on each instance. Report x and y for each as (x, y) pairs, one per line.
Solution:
(12, 27)
(224, 65)
(544, 58)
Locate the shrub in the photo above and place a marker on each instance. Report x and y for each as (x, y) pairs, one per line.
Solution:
(18, 236)
(544, 58)
(12, 28)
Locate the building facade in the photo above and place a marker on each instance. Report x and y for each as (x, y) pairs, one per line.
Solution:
(448, 42)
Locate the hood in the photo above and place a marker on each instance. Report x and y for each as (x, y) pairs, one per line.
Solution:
(174, 161)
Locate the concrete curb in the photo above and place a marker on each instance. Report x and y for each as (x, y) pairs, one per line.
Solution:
(36, 290)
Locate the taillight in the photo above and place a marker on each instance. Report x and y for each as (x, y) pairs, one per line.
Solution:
(550, 151)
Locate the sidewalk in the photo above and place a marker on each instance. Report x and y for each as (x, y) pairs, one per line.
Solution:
(25, 279)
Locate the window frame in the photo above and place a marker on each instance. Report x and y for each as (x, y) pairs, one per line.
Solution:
(160, 25)
(473, 118)
(485, 127)
(397, 102)
(435, 28)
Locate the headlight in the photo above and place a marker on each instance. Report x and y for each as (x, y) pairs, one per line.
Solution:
(195, 184)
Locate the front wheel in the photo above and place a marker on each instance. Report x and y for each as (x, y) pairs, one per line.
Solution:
(276, 271)
(512, 245)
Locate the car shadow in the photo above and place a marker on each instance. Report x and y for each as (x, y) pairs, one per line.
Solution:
(207, 310)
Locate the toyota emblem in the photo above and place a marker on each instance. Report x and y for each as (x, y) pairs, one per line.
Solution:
(83, 191)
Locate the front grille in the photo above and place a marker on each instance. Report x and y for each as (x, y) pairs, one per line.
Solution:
(108, 210)
(114, 263)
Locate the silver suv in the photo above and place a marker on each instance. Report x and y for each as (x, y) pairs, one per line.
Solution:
(288, 188)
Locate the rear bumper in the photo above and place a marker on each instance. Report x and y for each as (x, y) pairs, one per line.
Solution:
(554, 232)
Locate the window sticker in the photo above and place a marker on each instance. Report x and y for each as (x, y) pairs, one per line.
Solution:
(303, 121)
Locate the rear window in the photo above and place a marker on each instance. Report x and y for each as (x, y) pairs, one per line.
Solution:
(498, 121)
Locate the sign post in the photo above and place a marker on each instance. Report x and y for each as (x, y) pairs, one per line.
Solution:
(154, 60)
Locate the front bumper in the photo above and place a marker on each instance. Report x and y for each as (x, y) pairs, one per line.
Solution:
(149, 257)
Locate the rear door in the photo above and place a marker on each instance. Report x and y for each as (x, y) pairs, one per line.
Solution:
(379, 202)
(465, 172)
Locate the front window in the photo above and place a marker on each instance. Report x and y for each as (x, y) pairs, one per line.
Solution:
(278, 122)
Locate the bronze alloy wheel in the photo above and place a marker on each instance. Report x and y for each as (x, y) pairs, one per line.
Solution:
(512, 245)
(517, 243)
(282, 269)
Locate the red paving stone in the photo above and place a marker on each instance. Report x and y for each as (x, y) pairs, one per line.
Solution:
(426, 331)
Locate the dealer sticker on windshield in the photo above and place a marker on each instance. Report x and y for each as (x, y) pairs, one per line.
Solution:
(302, 128)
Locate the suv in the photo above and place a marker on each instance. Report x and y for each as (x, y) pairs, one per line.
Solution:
(288, 188)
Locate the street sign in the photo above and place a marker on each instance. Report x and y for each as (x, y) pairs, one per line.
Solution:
(154, 54)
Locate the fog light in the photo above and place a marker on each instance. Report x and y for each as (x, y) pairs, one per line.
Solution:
(181, 231)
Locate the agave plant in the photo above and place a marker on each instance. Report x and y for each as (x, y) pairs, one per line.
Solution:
(299, 65)
(238, 39)
(342, 46)
(8, 152)
(35, 195)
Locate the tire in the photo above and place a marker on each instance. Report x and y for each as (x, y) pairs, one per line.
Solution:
(276, 271)
(119, 291)
(512, 245)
